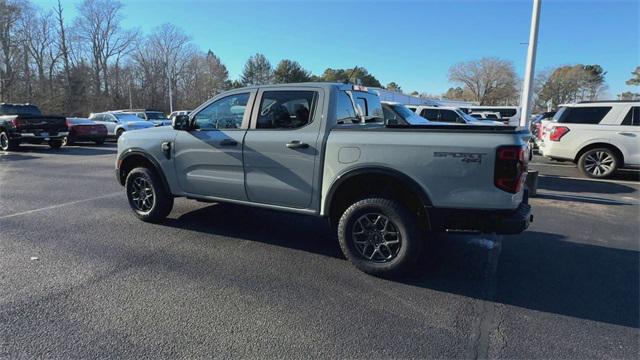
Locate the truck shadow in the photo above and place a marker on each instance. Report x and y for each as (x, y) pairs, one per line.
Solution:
(91, 150)
(558, 183)
(536, 270)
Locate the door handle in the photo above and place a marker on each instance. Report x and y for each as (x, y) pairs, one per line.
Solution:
(627, 134)
(296, 144)
(228, 142)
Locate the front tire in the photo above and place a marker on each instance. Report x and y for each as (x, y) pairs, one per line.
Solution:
(147, 196)
(380, 236)
(119, 133)
(7, 144)
(99, 141)
(598, 163)
(55, 144)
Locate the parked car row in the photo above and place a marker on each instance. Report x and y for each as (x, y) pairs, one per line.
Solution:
(24, 123)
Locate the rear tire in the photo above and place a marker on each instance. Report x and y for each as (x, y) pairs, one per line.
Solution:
(7, 144)
(67, 141)
(119, 133)
(99, 141)
(147, 196)
(598, 163)
(55, 144)
(380, 236)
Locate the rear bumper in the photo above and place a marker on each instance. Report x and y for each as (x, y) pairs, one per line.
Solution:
(487, 221)
(37, 136)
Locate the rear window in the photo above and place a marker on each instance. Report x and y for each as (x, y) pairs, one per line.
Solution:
(8, 109)
(448, 116)
(79, 121)
(633, 117)
(344, 108)
(429, 114)
(370, 106)
(155, 115)
(582, 115)
(126, 117)
(504, 112)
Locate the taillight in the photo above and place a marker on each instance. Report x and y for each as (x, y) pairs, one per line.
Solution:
(510, 168)
(557, 132)
(539, 131)
(16, 123)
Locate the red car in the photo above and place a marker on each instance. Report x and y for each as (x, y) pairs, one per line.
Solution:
(84, 130)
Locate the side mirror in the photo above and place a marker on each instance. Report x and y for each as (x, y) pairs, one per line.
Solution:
(181, 122)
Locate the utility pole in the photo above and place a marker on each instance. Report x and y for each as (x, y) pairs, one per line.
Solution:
(529, 74)
(130, 98)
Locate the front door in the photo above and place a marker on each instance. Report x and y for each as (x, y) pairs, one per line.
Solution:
(281, 147)
(208, 159)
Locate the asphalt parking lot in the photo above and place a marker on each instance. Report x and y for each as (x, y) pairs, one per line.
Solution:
(81, 277)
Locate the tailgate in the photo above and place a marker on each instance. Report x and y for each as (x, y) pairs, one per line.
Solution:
(39, 124)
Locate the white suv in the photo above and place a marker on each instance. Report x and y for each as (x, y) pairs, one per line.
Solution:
(598, 136)
(447, 114)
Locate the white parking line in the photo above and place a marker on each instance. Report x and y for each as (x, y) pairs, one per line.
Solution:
(556, 165)
(595, 180)
(59, 205)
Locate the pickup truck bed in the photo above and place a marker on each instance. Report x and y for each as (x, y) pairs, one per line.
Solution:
(30, 127)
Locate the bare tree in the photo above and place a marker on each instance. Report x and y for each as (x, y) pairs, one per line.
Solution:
(98, 25)
(10, 12)
(488, 80)
(174, 48)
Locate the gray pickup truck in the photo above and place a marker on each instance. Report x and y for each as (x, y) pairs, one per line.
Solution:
(323, 149)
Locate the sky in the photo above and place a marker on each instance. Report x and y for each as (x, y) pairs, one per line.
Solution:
(412, 43)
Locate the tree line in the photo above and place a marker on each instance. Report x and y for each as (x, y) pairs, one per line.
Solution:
(93, 63)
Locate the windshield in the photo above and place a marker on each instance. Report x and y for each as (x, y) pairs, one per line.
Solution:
(408, 115)
(126, 117)
(156, 116)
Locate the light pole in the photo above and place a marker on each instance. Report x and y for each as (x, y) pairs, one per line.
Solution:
(531, 65)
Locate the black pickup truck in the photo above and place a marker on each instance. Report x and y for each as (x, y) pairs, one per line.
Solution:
(24, 123)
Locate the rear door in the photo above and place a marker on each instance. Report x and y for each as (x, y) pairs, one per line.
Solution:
(106, 121)
(281, 147)
(208, 159)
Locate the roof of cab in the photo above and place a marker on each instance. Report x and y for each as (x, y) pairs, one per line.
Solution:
(325, 85)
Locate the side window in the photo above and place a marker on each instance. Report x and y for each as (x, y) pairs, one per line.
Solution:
(633, 117)
(585, 115)
(628, 118)
(345, 112)
(448, 116)
(429, 114)
(286, 109)
(225, 113)
(141, 115)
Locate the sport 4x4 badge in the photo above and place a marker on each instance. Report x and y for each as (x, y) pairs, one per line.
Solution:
(463, 156)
